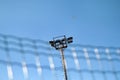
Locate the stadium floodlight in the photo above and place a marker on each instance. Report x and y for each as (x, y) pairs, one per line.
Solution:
(60, 44)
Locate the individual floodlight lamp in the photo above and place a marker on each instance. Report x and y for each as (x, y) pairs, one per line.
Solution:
(52, 43)
(70, 39)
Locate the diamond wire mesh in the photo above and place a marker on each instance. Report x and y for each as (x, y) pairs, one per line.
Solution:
(27, 59)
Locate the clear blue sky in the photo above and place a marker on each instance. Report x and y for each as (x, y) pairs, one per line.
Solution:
(91, 22)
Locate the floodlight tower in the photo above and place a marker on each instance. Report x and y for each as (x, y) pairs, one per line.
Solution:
(60, 43)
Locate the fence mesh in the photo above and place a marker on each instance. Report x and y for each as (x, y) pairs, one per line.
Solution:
(27, 59)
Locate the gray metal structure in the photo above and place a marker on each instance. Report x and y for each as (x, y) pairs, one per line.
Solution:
(61, 44)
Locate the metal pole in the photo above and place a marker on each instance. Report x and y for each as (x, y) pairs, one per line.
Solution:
(63, 63)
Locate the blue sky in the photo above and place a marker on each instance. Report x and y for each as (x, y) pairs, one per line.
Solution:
(90, 22)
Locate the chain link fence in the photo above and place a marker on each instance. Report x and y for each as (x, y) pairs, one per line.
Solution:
(28, 59)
